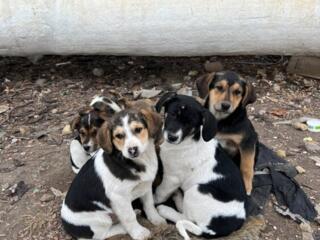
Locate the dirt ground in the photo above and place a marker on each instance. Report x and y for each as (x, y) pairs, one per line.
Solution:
(38, 100)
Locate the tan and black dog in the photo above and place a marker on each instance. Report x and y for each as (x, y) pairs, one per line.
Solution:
(226, 95)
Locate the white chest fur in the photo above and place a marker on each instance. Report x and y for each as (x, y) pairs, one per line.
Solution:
(192, 162)
(136, 188)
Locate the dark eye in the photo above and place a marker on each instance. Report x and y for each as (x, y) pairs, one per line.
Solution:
(120, 136)
(219, 88)
(138, 130)
(237, 92)
(82, 132)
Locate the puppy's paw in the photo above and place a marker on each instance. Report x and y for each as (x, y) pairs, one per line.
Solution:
(157, 220)
(162, 210)
(140, 233)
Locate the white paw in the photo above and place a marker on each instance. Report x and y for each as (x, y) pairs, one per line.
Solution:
(157, 220)
(162, 209)
(140, 233)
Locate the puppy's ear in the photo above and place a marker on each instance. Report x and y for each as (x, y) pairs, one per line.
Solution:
(75, 123)
(154, 122)
(209, 128)
(164, 100)
(203, 83)
(104, 137)
(249, 94)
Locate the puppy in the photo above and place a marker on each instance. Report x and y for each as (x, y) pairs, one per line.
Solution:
(98, 203)
(213, 202)
(226, 96)
(87, 124)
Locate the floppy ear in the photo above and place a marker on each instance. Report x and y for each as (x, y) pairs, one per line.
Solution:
(75, 123)
(249, 94)
(154, 122)
(209, 128)
(164, 100)
(104, 137)
(203, 83)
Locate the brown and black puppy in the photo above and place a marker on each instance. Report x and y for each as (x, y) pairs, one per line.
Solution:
(226, 95)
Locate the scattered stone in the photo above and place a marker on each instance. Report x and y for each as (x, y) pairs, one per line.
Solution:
(300, 126)
(57, 192)
(262, 112)
(54, 111)
(176, 85)
(307, 139)
(185, 91)
(213, 66)
(281, 153)
(306, 231)
(276, 87)
(24, 131)
(279, 77)
(14, 140)
(300, 169)
(312, 147)
(187, 78)
(193, 73)
(98, 72)
(41, 82)
(4, 108)
(316, 159)
(47, 197)
(146, 93)
(17, 190)
(5, 186)
(307, 83)
(66, 130)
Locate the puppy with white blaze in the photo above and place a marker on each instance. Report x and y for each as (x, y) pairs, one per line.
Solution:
(213, 201)
(98, 204)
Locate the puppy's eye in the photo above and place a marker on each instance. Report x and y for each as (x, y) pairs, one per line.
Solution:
(138, 130)
(82, 132)
(120, 136)
(219, 88)
(237, 92)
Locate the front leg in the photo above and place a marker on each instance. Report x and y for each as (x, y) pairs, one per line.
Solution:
(151, 212)
(247, 167)
(168, 186)
(123, 208)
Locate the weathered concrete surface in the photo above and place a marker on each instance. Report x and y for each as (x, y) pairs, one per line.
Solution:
(160, 27)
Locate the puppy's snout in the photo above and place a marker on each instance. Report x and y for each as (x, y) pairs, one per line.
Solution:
(172, 138)
(86, 148)
(133, 151)
(225, 106)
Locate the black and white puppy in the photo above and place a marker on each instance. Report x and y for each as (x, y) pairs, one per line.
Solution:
(87, 123)
(98, 203)
(214, 195)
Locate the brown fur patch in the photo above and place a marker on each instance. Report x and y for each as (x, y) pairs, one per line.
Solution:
(154, 123)
(247, 168)
(104, 137)
(234, 137)
(203, 83)
(143, 135)
(118, 142)
(250, 95)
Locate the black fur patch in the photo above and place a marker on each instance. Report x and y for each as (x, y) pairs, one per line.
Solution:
(86, 188)
(230, 186)
(223, 226)
(121, 167)
(77, 231)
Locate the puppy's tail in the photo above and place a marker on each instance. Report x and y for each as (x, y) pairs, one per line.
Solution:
(104, 104)
(184, 225)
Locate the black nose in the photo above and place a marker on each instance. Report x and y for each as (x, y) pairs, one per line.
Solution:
(172, 138)
(87, 148)
(225, 106)
(133, 151)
